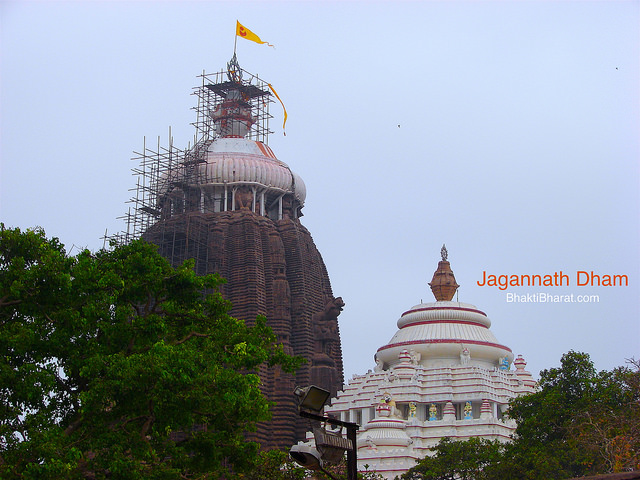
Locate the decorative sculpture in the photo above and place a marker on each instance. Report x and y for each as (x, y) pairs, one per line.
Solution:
(433, 412)
(413, 409)
(388, 407)
(415, 357)
(325, 332)
(465, 356)
(390, 377)
(244, 198)
(370, 444)
(503, 363)
(379, 365)
(468, 411)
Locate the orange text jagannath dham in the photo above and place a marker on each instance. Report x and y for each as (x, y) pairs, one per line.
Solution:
(556, 279)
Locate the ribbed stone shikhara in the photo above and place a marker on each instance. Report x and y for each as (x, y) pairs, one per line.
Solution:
(235, 208)
(443, 374)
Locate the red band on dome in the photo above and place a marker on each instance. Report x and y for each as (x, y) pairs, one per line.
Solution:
(444, 340)
(444, 308)
(426, 322)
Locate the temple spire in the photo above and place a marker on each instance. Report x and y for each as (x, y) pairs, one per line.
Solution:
(233, 117)
(443, 284)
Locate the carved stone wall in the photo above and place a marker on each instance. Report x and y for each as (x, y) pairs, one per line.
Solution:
(272, 268)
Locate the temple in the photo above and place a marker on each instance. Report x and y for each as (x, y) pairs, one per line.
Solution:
(443, 374)
(229, 203)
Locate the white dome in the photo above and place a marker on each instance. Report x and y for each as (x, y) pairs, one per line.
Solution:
(439, 331)
(235, 161)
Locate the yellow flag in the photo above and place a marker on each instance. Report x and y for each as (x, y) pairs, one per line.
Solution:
(244, 32)
(285, 110)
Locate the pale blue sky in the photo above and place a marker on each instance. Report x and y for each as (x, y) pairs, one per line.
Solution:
(517, 147)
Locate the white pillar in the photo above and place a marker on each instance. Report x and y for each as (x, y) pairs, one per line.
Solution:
(253, 201)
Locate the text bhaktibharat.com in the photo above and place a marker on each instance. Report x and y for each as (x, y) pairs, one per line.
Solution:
(543, 297)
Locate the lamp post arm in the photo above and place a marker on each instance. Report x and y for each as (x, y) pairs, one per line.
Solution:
(331, 421)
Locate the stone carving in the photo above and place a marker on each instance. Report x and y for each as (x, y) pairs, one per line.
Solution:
(287, 207)
(415, 357)
(379, 365)
(370, 444)
(465, 356)
(244, 198)
(325, 332)
(390, 377)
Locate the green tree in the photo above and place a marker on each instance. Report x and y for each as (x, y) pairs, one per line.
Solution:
(543, 446)
(276, 465)
(116, 364)
(580, 422)
(609, 429)
(474, 459)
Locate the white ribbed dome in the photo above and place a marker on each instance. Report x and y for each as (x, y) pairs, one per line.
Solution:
(439, 331)
(428, 312)
(235, 161)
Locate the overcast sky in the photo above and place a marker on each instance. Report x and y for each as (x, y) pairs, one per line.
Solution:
(507, 130)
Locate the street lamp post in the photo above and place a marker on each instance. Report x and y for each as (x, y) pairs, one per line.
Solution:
(352, 455)
(314, 398)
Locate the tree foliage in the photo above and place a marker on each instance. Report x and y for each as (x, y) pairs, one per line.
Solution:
(474, 459)
(277, 465)
(579, 422)
(115, 364)
(609, 430)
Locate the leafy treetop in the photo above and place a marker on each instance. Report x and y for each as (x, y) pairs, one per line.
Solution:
(115, 364)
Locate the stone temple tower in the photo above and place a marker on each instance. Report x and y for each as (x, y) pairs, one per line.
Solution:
(233, 206)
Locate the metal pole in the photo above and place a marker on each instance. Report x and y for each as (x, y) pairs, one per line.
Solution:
(352, 455)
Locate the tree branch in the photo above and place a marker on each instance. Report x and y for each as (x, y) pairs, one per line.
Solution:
(191, 335)
(73, 426)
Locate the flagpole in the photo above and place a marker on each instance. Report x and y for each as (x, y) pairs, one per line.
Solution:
(235, 41)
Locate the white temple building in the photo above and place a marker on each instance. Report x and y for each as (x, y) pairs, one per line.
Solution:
(443, 374)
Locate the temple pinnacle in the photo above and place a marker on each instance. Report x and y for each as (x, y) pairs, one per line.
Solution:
(443, 284)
